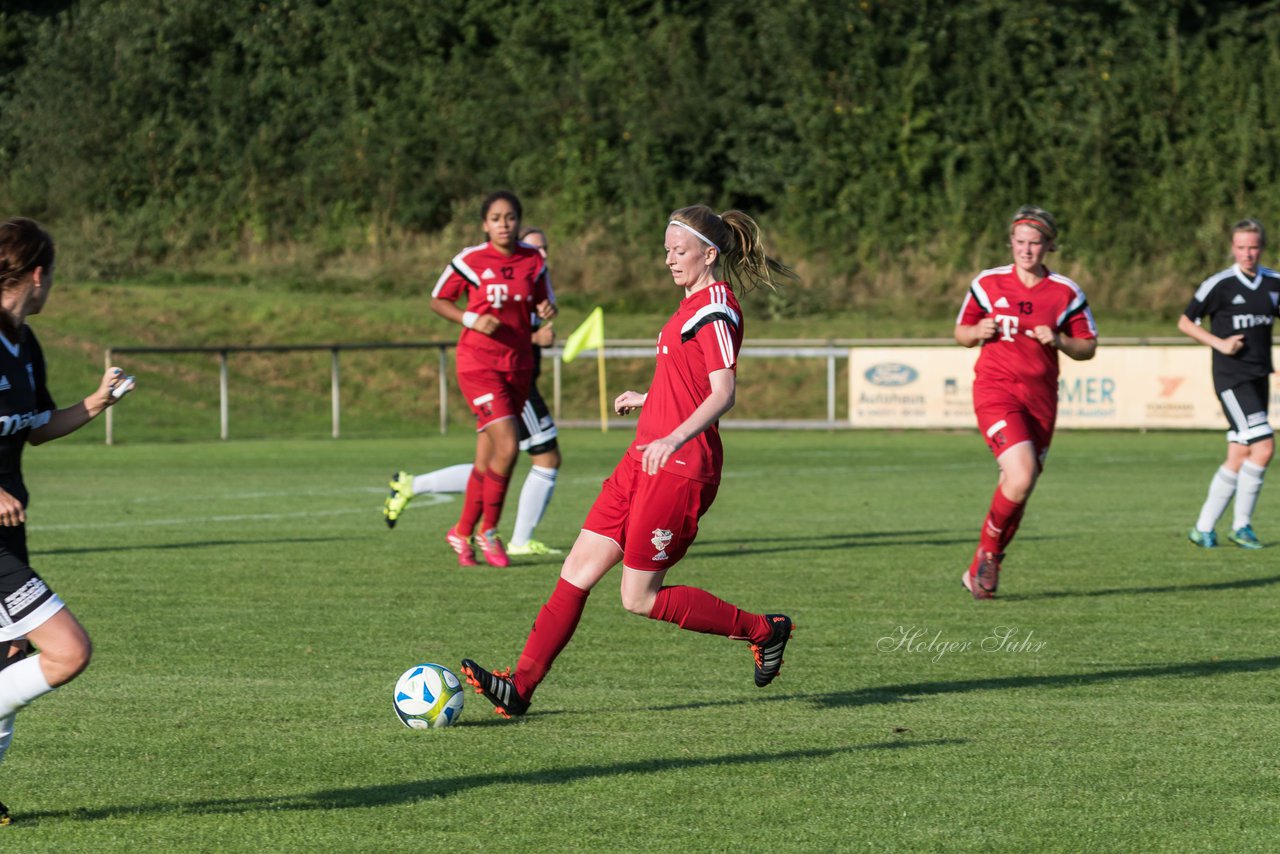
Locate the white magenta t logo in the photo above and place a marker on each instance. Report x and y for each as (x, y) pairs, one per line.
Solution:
(1008, 326)
(498, 294)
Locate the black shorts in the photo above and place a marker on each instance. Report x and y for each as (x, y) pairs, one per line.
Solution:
(1245, 406)
(537, 429)
(25, 600)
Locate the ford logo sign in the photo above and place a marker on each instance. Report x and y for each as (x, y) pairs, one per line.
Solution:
(891, 373)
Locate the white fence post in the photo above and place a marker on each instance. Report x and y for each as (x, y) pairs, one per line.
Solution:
(222, 393)
(110, 422)
(335, 399)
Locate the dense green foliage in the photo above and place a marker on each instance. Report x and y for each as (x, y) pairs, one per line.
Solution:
(865, 135)
(250, 613)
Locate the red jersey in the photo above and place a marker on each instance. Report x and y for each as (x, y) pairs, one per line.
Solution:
(704, 335)
(508, 286)
(1014, 356)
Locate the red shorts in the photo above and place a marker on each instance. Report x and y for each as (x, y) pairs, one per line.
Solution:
(494, 395)
(1007, 419)
(653, 519)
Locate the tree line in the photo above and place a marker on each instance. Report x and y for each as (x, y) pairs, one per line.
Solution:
(866, 135)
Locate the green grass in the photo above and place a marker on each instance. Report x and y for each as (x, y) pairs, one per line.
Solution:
(251, 613)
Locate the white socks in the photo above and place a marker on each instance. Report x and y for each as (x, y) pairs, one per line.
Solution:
(1221, 489)
(19, 684)
(1248, 485)
(451, 479)
(535, 495)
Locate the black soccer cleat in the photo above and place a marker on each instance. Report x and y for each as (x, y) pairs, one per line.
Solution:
(497, 688)
(768, 655)
(4, 815)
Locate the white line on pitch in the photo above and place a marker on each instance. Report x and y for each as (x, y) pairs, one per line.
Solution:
(424, 501)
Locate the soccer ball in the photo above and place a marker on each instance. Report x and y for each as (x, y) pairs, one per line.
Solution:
(428, 696)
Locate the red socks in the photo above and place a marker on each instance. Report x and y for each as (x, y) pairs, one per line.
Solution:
(472, 504)
(495, 492)
(699, 611)
(549, 636)
(1001, 523)
(1011, 527)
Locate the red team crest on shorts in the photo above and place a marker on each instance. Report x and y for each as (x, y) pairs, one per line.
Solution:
(661, 539)
(484, 405)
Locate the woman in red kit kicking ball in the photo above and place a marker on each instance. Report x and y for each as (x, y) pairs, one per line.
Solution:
(646, 516)
(1023, 315)
(505, 282)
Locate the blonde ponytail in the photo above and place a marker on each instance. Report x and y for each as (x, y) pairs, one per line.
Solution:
(736, 238)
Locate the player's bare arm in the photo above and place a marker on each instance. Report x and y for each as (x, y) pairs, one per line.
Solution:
(1226, 346)
(485, 324)
(629, 401)
(972, 335)
(1079, 349)
(720, 401)
(544, 335)
(68, 420)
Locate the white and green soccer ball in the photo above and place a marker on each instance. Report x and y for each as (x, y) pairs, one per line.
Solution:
(428, 696)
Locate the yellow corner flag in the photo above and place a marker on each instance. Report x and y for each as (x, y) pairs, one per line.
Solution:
(588, 336)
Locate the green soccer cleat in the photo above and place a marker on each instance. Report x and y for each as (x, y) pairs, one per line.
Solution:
(1245, 538)
(1204, 539)
(533, 547)
(401, 495)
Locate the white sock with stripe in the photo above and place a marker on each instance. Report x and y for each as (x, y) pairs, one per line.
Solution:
(535, 495)
(1221, 489)
(19, 684)
(451, 479)
(1248, 486)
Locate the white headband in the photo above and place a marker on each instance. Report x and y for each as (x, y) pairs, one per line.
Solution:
(697, 234)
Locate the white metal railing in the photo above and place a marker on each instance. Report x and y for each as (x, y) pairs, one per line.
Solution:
(830, 350)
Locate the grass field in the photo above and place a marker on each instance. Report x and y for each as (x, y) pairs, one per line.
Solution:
(251, 612)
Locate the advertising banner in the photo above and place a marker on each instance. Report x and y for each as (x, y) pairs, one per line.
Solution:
(1153, 387)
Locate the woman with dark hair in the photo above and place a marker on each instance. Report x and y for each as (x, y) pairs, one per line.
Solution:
(536, 432)
(647, 513)
(31, 613)
(505, 282)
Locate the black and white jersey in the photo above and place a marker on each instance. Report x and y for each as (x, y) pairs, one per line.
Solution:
(1239, 305)
(25, 403)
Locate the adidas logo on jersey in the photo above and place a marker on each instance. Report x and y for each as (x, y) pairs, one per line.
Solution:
(1002, 303)
(4, 383)
(488, 274)
(1239, 300)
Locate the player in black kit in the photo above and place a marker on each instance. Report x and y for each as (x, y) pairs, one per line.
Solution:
(30, 613)
(1242, 302)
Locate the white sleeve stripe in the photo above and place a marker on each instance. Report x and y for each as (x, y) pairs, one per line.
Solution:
(464, 270)
(1207, 286)
(444, 277)
(960, 317)
(459, 266)
(726, 342)
(980, 294)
